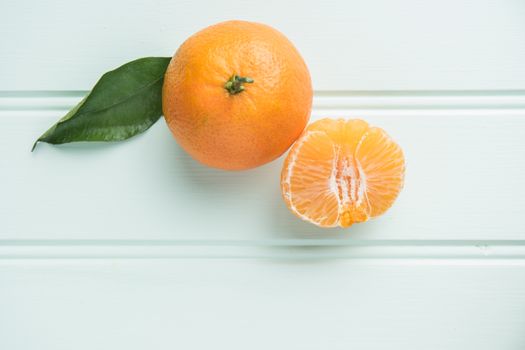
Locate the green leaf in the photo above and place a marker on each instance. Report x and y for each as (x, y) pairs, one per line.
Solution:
(124, 102)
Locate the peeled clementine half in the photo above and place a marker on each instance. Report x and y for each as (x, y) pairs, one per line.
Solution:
(236, 95)
(340, 172)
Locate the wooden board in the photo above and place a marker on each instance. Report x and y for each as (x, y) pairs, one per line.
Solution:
(465, 165)
(348, 45)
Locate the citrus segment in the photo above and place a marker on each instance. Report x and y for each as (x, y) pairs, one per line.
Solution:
(384, 165)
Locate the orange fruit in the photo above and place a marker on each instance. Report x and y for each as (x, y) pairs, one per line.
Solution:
(340, 172)
(236, 95)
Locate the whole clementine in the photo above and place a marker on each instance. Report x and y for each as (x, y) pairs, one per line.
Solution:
(236, 95)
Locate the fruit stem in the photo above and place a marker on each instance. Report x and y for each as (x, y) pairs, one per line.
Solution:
(234, 84)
